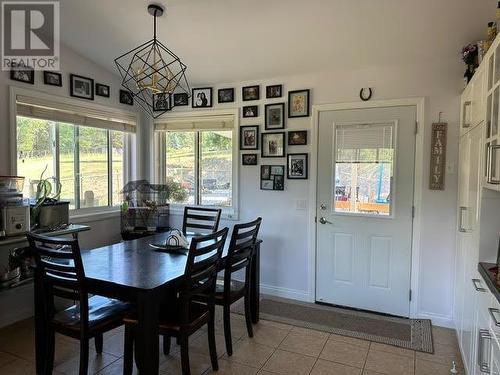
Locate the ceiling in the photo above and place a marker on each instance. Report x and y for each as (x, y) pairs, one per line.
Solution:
(239, 40)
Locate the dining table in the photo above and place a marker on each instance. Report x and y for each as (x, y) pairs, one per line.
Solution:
(135, 272)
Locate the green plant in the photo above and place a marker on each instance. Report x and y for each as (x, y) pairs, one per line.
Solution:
(176, 192)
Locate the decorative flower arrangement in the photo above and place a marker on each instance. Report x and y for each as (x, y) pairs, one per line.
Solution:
(469, 54)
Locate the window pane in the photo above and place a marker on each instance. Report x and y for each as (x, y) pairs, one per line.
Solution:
(364, 168)
(180, 166)
(93, 167)
(35, 151)
(216, 168)
(117, 139)
(67, 163)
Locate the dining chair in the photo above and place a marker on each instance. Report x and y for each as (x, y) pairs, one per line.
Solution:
(201, 220)
(228, 291)
(189, 315)
(59, 273)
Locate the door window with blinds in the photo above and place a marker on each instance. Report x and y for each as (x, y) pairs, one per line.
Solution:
(86, 150)
(364, 169)
(197, 160)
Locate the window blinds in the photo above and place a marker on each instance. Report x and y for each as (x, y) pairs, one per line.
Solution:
(210, 122)
(74, 114)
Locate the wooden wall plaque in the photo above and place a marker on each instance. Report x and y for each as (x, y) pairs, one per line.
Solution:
(438, 156)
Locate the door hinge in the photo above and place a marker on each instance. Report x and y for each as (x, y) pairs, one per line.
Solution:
(416, 127)
(410, 294)
(315, 219)
(413, 212)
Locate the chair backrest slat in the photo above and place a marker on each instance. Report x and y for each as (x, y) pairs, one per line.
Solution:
(201, 220)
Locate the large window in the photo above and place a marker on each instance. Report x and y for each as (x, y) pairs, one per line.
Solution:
(88, 161)
(199, 166)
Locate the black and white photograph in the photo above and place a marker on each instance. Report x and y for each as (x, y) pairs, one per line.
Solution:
(102, 90)
(265, 172)
(274, 91)
(226, 95)
(249, 159)
(249, 137)
(297, 167)
(272, 177)
(201, 97)
(266, 184)
(298, 103)
(24, 74)
(81, 87)
(52, 78)
(273, 145)
(126, 97)
(250, 93)
(251, 111)
(275, 116)
(279, 182)
(297, 138)
(181, 99)
(161, 102)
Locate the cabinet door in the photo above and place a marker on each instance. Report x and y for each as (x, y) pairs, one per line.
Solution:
(466, 110)
(468, 330)
(477, 98)
(482, 337)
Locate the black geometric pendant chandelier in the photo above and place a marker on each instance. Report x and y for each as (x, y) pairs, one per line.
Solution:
(152, 73)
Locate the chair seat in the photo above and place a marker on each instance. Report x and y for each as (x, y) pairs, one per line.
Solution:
(237, 289)
(102, 312)
(171, 323)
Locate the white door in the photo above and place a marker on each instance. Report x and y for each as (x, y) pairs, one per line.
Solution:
(364, 208)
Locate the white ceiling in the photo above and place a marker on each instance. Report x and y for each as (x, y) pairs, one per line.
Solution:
(238, 40)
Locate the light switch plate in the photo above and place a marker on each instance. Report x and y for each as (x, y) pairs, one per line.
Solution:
(301, 204)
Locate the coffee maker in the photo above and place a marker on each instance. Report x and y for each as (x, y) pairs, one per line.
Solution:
(14, 210)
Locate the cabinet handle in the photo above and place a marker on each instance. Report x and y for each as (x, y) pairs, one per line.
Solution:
(484, 360)
(489, 171)
(465, 123)
(477, 285)
(461, 215)
(492, 314)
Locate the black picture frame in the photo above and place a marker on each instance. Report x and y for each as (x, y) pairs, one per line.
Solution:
(74, 89)
(181, 99)
(225, 95)
(306, 111)
(250, 111)
(274, 91)
(249, 93)
(292, 170)
(52, 78)
(249, 159)
(270, 120)
(102, 90)
(126, 97)
(25, 74)
(162, 102)
(272, 177)
(264, 145)
(243, 137)
(297, 138)
(195, 97)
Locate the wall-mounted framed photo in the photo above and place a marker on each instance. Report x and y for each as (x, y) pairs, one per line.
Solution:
(274, 91)
(81, 87)
(298, 103)
(201, 97)
(272, 177)
(102, 90)
(226, 95)
(24, 74)
(275, 116)
(251, 111)
(297, 138)
(126, 97)
(249, 159)
(297, 166)
(249, 137)
(250, 93)
(273, 145)
(181, 99)
(162, 102)
(52, 78)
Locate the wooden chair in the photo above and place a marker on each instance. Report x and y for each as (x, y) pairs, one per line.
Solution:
(59, 272)
(228, 291)
(201, 220)
(189, 315)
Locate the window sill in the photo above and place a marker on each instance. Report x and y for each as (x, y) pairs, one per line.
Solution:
(93, 214)
(227, 213)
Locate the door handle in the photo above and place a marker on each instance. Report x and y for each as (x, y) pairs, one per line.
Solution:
(482, 359)
(460, 225)
(322, 220)
(492, 312)
(465, 120)
(477, 285)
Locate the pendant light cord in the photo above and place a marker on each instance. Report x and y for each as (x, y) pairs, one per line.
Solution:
(154, 25)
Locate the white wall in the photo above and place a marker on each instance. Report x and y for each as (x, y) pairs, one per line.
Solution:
(285, 252)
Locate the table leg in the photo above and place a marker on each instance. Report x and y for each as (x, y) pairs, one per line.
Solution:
(40, 327)
(255, 285)
(146, 339)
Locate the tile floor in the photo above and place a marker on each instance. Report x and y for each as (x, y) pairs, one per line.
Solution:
(275, 349)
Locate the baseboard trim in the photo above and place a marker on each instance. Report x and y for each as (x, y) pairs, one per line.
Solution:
(438, 320)
(300, 295)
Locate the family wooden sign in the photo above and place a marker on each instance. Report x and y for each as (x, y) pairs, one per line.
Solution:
(438, 156)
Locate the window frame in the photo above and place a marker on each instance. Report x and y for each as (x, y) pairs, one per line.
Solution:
(129, 164)
(160, 158)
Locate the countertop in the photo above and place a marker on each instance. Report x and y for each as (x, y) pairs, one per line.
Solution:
(489, 273)
(70, 229)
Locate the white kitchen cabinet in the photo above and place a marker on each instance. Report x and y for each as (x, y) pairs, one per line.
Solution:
(473, 112)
